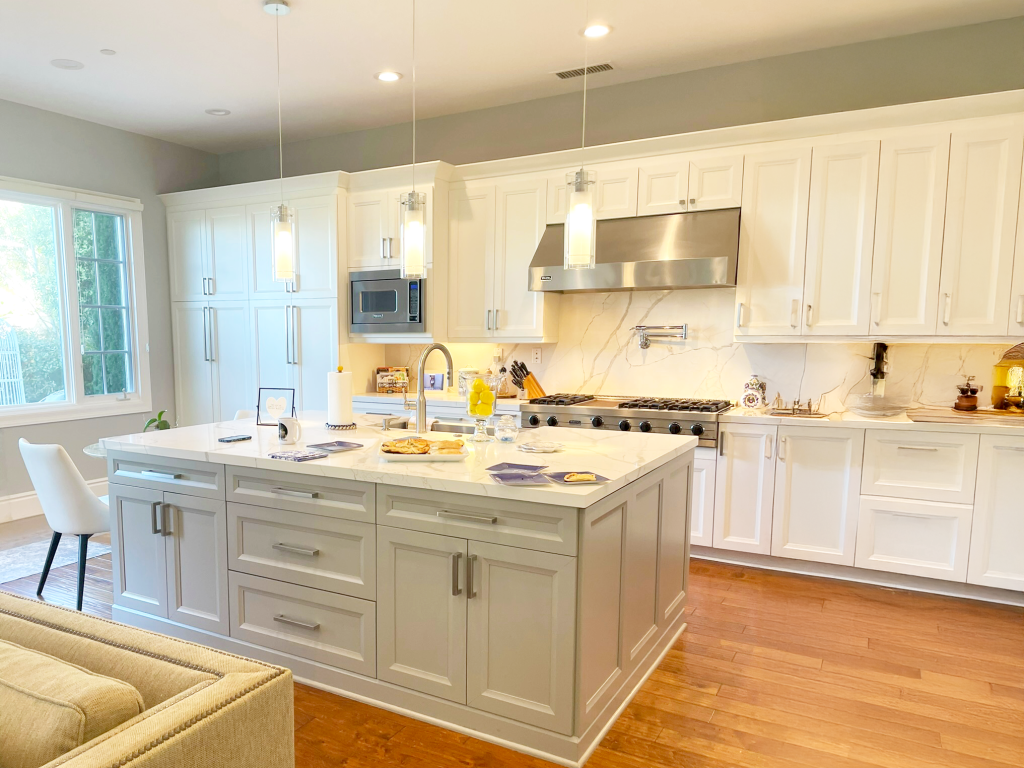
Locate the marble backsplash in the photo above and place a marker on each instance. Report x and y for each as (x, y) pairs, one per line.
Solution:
(598, 352)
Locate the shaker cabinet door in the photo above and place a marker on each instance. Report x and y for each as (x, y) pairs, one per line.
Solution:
(471, 263)
(186, 242)
(195, 532)
(192, 369)
(315, 342)
(230, 357)
(272, 344)
(368, 230)
(997, 538)
(316, 250)
(227, 253)
(703, 497)
(744, 487)
(136, 537)
(519, 225)
(261, 246)
(715, 182)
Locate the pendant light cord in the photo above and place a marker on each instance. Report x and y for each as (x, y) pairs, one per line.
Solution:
(414, 97)
(280, 134)
(586, 62)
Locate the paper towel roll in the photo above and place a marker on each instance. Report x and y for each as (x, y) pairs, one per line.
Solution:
(339, 398)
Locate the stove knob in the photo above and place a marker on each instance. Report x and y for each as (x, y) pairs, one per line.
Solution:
(697, 429)
(534, 421)
(552, 421)
(597, 421)
(646, 426)
(674, 428)
(624, 425)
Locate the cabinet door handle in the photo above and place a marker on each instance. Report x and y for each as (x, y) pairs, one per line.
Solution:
(296, 622)
(206, 334)
(916, 448)
(876, 309)
(470, 567)
(295, 335)
(693, 201)
(794, 314)
(391, 248)
(467, 516)
(721, 444)
(152, 517)
(384, 248)
(213, 319)
(807, 317)
(455, 557)
(488, 319)
(1020, 309)
(947, 310)
(213, 286)
(782, 448)
(682, 203)
(496, 316)
(768, 447)
(295, 550)
(157, 474)
(294, 492)
(288, 334)
(905, 514)
(167, 519)
(206, 286)
(739, 315)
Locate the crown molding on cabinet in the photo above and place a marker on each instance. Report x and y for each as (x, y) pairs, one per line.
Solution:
(314, 183)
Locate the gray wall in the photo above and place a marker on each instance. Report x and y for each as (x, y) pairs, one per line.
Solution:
(981, 58)
(43, 146)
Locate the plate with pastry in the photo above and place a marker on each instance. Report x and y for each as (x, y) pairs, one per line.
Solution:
(420, 449)
(576, 478)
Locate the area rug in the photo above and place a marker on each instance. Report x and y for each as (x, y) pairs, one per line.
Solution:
(29, 559)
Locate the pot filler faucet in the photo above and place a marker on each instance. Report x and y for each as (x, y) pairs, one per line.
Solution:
(421, 400)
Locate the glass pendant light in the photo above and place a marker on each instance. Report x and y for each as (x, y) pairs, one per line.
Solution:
(413, 229)
(580, 223)
(282, 221)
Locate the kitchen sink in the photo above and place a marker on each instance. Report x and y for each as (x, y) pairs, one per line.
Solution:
(458, 429)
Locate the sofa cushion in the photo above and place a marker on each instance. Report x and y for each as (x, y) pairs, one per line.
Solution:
(50, 706)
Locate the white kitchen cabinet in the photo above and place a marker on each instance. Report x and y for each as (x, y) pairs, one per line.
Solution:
(261, 246)
(1016, 324)
(369, 227)
(208, 254)
(294, 343)
(773, 243)
(997, 537)
(703, 497)
(908, 235)
(744, 488)
(520, 646)
(930, 466)
(614, 190)
(978, 241)
(140, 563)
(840, 239)
(192, 375)
(271, 341)
(421, 612)
(186, 240)
(917, 538)
(493, 234)
(690, 183)
(316, 254)
(817, 494)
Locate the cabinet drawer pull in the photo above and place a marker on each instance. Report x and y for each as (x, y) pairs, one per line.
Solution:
(1020, 309)
(384, 248)
(295, 550)
(916, 448)
(467, 516)
(297, 622)
(682, 203)
(739, 315)
(907, 514)
(470, 565)
(152, 517)
(782, 448)
(488, 319)
(293, 492)
(794, 314)
(721, 444)
(807, 319)
(768, 447)
(947, 309)
(876, 309)
(158, 475)
(391, 248)
(455, 574)
(167, 518)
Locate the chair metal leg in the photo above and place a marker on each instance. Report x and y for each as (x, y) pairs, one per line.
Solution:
(83, 554)
(54, 541)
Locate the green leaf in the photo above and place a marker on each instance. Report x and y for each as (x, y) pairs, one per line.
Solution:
(149, 424)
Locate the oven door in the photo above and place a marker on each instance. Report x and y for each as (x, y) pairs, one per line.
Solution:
(386, 306)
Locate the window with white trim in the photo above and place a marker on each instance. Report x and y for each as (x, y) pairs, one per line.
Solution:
(72, 319)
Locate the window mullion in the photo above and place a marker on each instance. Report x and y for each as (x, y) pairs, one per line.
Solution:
(73, 345)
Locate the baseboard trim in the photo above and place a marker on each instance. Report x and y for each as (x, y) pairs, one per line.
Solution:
(861, 576)
(19, 506)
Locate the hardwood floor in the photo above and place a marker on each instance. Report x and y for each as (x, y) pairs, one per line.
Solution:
(774, 671)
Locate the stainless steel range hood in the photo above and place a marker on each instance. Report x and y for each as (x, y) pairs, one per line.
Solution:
(646, 253)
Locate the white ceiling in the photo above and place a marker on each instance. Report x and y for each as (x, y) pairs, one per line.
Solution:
(176, 59)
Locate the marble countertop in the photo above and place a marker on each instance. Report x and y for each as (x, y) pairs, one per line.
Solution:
(850, 420)
(621, 457)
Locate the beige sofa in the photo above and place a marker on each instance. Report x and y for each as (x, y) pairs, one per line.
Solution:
(200, 707)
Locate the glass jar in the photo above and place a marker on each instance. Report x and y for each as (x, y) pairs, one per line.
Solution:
(483, 391)
(506, 430)
(466, 376)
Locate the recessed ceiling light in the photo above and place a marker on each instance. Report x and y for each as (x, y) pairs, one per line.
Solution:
(218, 112)
(597, 30)
(388, 77)
(67, 64)
(107, 51)
(276, 7)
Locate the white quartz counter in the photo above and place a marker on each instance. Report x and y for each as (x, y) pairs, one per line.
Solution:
(621, 457)
(851, 420)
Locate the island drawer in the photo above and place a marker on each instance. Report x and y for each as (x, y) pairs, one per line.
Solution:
(192, 478)
(346, 499)
(541, 527)
(332, 629)
(927, 466)
(299, 548)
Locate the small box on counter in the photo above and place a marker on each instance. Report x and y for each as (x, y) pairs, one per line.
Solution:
(391, 380)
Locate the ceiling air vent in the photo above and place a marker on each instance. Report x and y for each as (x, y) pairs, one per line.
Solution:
(591, 70)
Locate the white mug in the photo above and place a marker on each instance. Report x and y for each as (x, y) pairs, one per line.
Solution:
(289, 431)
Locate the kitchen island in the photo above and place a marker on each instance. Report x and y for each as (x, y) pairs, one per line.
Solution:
(524, 616)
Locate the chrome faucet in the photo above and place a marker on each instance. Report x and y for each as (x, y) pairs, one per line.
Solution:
(421, 401)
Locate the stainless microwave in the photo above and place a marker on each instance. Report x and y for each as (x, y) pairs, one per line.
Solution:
(385, 302)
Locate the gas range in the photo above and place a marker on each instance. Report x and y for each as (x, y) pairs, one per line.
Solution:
(666, 415)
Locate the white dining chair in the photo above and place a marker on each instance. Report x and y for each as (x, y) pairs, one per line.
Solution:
(68, 504)
(243, 414)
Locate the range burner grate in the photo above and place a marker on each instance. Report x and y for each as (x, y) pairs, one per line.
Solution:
(676, 404)
(561, 399)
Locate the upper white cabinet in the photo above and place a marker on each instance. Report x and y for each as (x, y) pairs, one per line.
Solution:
(689, 183)
(1016, 324)
(997, 538)
(316, 250)
(840, 239)
(186, 235)
(908, 235)
(614, 189)
(374, 227)
(208, 254)
(744, 487)
(817, 494)
(773, 240)
(981, 220)
(493, 233)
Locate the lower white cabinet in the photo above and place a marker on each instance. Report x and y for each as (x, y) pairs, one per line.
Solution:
(817, 493)
(931, 466)
(997, 539)
(171, 556)
(702, 491)
(918, 538)
(744, 487)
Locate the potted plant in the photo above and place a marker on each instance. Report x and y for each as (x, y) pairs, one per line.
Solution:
(157, 422)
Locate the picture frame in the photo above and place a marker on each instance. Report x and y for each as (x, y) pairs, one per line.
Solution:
(271, 406)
